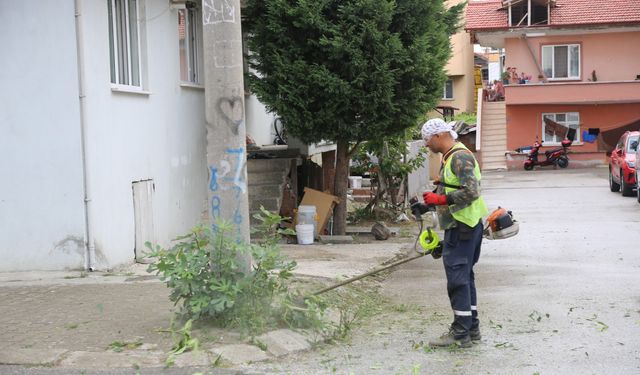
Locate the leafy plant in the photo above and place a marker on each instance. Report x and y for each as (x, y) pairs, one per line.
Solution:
(202, 269)
(270, 227)
(184, 340)
(361, 213)
(393, 165)
(300, 311)
(354, 305)
(119, 346)
(467, 117)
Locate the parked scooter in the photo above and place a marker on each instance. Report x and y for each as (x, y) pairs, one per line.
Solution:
(553, 157)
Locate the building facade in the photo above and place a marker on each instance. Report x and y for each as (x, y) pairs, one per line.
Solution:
(102, 130)
(579, 66)
(459, 89)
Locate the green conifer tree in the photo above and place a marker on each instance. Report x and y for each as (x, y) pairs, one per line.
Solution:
(348, 70)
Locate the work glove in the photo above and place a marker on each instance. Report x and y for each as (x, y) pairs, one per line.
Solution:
(437, 252)
(434, 199)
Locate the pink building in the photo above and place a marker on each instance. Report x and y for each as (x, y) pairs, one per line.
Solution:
(583, 59)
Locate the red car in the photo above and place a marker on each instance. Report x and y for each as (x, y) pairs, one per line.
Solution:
(622, 166)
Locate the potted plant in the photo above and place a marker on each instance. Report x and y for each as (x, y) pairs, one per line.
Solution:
(505, 76)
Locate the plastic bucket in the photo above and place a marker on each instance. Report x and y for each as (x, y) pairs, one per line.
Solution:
(355, 182)
(307, 215)
(304, 232)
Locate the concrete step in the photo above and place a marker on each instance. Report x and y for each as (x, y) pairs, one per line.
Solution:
(493, 129)
(494, 167)
(494, 144)
(493, 114)
(266, 178)
(494, 124)
(271, 204)
(363, 194)
(487, 156)
(493, 110)
(362, 198)
(493, 105)
(363, 191)
(267, 165)
(494, 137)
(264, 191)
(486, 164)
(253, 220)
(494, 159)
(486, 152)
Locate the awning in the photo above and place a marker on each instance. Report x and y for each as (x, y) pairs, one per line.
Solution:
(609, 138)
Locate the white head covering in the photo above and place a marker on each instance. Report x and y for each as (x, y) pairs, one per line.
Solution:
(435, 126)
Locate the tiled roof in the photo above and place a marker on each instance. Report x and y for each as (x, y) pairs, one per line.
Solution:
(487, 14)
(594, 12)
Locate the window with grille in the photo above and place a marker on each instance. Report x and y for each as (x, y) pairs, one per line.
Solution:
(189, 43)
(124, 43)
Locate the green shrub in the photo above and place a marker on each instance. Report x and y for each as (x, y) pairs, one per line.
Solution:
(203, 270)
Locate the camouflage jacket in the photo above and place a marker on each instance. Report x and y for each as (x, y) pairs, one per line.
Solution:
(462, 165)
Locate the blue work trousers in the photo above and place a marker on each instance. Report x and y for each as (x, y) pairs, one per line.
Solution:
(460, 253)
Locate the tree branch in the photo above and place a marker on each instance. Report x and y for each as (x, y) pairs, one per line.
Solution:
(353, 149)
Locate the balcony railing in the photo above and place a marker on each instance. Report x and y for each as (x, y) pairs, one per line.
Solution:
(573, 93)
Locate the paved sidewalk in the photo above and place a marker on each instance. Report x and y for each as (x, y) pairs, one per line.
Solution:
(70, 319)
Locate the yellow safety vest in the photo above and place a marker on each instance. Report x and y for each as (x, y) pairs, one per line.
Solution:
(469, 214)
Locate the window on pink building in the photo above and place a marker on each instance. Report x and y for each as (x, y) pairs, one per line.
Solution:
(561, 61)
(555, 130)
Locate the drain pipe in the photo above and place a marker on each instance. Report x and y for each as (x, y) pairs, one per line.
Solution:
(90, 249)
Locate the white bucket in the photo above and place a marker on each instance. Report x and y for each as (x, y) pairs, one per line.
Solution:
(307, 215)
(304, 233)
(355, 182)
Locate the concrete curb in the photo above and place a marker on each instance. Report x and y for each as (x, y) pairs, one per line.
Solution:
(318, 261)
(277, 344)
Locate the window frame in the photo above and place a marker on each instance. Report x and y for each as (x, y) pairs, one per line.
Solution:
(194, 50)
(115, 50)
(565, 122)
(569, 77)
(629, 141)
(444, 90)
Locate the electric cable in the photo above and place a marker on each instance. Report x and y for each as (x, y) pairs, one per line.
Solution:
(280, 138)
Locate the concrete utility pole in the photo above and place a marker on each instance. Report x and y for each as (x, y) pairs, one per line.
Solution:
(226, 131)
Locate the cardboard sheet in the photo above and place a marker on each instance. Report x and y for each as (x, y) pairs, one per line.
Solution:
(324, 205)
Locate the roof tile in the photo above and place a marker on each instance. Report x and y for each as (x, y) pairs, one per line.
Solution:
(486, 14)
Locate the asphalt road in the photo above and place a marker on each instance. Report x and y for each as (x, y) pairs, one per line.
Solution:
(562, 297)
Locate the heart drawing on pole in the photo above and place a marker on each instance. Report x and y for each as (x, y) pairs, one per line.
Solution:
(231, 109)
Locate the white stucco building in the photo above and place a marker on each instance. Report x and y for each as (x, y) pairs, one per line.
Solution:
(102, 130)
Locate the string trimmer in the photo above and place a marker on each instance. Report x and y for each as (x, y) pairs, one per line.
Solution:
(428, 239)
